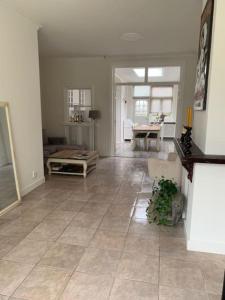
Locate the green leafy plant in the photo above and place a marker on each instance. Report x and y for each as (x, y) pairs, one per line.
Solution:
(160, 205)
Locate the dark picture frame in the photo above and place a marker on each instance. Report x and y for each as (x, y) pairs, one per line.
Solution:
(202, 72)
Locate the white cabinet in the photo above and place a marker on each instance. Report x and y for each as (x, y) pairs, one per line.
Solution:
(169, 130)
(127, 130)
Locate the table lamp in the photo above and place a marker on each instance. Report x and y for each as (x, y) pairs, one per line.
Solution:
(94, 114)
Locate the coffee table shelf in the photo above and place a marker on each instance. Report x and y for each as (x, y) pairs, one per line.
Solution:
(71, 157)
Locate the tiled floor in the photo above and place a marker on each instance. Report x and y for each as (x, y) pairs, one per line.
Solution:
(127, 149)
(76, 239)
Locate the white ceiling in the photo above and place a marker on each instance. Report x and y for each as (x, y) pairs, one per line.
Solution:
(94, 27)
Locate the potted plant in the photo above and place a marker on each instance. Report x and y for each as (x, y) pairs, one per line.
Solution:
(167, 203)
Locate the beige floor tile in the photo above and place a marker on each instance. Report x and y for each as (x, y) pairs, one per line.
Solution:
(180, 274)
(95, 208)
(213, 273)
(120, 224)
(88, 287)
(102, 186)
(142, 202)
(5, 298)
(34, 215)
(174, 231)
(125, 199)
(57, 214)
(120, 211)
(175, 247)
(63, 256)
(48, 204)
(70, 205)
(144, 246)
(139, 267)
(18, 227)
(103, 197)
(140, 213)
(142, 228)
(98, 261)
(28, 251)
(108, 240)
(133, 290)
(86, 220)
(48, 230)
(77, 235)
(168, 293)
(80, 196)
(214, 297)
(11, 276)
(7, 243)
(43, 283)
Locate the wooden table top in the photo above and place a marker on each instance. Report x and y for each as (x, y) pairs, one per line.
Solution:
(150, 127)
(74, 154)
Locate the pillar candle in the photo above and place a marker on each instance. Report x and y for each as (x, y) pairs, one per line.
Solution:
(187, 116)
(190, 117)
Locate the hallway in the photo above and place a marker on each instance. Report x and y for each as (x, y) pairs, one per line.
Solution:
(89, 239)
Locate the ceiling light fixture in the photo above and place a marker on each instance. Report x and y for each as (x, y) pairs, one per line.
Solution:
(140, 72)
(155, 72)
(131, 36)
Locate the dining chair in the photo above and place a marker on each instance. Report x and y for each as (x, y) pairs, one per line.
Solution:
(155, 137)
(140, 137)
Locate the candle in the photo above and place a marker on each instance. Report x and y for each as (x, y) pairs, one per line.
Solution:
(187, 116)
(190, 117)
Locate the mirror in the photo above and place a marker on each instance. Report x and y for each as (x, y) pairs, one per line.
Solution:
(9, 188)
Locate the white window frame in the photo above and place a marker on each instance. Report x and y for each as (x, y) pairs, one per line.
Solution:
(141, 99)
(68, 101)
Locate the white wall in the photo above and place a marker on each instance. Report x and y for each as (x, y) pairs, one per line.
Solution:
(206, 206)
(205, 221)
(19, 85)
(207, 124)
(59, 73)
(215, 139)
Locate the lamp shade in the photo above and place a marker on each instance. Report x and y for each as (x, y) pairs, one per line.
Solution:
(94, 114)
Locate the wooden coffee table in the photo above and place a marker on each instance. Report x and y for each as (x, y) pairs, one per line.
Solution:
(58, 162)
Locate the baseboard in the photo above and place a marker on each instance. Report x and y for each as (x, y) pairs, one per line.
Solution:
(204, 246)
(32, 186)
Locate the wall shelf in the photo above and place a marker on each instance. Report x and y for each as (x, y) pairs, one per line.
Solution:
(196, 156)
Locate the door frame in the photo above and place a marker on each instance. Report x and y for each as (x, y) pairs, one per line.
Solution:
(145, 65)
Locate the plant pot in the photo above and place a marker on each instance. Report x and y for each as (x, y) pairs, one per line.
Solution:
(171, 218)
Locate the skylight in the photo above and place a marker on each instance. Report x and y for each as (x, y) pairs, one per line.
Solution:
(155, 72)
(140, 72)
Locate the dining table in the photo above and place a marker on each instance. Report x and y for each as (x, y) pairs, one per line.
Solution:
(148, 128)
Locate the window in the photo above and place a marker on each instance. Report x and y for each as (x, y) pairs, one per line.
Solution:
(164, 74)
(161, 101)
(78, 102)
(141, 108)
(141, 91)
(129, 75)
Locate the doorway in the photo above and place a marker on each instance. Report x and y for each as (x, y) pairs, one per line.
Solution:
(141, 95)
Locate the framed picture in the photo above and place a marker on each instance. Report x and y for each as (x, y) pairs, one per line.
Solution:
(202, 71)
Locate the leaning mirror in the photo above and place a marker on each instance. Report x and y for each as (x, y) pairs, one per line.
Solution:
(9, 187)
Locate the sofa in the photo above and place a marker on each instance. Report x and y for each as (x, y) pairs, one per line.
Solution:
(54, 144)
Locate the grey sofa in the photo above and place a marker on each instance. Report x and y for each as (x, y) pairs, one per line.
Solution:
(54, 144)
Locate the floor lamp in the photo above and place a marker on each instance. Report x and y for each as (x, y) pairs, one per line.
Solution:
(94, 114)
